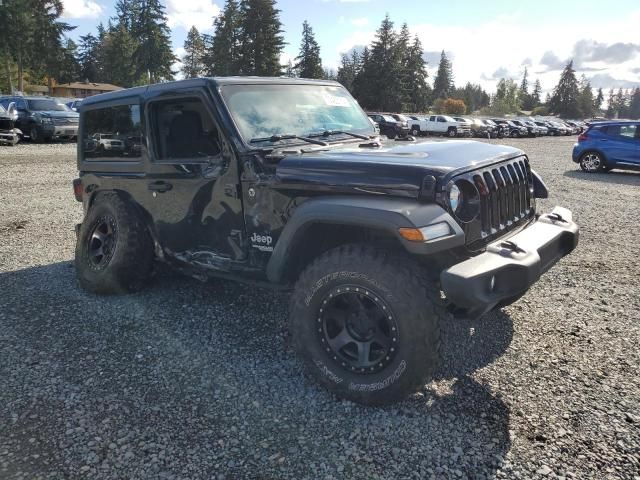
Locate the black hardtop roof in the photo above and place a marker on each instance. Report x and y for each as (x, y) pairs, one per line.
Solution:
(197, 82)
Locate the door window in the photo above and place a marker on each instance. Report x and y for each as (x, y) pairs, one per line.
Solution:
(112, 133)
(183, 131)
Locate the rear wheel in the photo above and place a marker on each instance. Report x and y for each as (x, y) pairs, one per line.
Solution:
(365, 323)
(114, 251)
(592, 162)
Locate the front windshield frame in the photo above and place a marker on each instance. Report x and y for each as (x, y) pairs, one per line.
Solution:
(36, 107)
(250, 134)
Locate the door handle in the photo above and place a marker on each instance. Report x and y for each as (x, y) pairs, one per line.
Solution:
(160, 186)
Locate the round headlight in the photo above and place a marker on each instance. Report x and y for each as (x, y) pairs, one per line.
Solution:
(455, 197)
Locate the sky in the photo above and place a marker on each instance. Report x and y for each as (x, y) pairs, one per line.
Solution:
(485, 39)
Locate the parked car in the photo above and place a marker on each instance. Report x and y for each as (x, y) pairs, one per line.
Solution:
(9, 134)
(417, 125)
(552, 129)
(389, 126)
(511, 129)
(43, 118)
(532, 131)
(446, 125)
(498, 130)
(608, 145)
(74, 104)
(108, 143)
(477, 127)
(367, 238)
(541, 129)
(402, 120)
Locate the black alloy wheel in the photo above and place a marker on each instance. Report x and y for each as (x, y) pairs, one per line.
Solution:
(357, 329)
(101, 242)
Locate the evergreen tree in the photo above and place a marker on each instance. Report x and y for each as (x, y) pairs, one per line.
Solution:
(536, 99)
(223, 55)
(611, 104)
(153, 55)
(17, 32)
(363, 83)
(69, 69)
(405, 74)
(565, 100)
(526, 100)
(473, 96)
(88, 58)
(597, 103)
(290, 70)
(192, 61)
(116, 58)
(585, 98)
(419, 95)
(386, 61)
(308, 62)
(348, 69)
(329, 74)
(621, 103)
(47, 43)
(126, 12)
(443, 83)
(634, 107)
(261, 38)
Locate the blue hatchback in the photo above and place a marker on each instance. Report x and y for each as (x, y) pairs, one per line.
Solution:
(607, 145)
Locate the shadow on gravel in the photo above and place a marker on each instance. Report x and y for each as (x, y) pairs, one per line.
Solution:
(193, 380)
(613, 176)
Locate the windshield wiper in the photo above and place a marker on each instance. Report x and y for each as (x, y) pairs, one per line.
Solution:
(287, 136)
(327, 133)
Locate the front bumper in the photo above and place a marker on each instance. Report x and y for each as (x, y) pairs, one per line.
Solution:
(60, 131)
(510, 265)
(9, 137)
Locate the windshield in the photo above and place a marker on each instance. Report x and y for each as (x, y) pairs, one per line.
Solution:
(47, 105)
(401, 118)
(389, 119)
(268, 110)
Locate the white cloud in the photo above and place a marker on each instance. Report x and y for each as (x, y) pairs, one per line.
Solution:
(360, 22)
(188, 13)
(81, 8)
(479, 52)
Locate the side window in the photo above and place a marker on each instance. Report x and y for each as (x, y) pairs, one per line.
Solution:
(441, 119)
(432, 118)
(112, 133)
(21, 104)
(628, 131)
(183, 130)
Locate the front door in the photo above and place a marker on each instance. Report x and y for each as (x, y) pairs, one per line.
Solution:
(192, 185)
(622, 144)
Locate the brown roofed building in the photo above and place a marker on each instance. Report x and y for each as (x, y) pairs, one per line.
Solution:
(82, 89)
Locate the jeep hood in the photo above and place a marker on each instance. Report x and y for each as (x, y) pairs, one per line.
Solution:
(396, 169)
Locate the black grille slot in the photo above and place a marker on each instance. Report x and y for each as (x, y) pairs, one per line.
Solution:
(504, 198)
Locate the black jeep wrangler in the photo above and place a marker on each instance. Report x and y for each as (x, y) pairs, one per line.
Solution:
(283, 182)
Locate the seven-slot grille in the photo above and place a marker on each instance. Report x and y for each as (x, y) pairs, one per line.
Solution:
(505, 195)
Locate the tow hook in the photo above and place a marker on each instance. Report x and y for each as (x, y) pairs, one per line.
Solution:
(557, 217)
(509, 245)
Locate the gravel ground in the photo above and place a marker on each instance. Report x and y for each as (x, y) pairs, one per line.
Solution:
(188, 380)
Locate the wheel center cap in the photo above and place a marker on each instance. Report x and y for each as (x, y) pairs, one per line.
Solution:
(360, 326)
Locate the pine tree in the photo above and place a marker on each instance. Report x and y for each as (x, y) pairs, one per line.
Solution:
(126, 12)
(526, 100)
(261, 38)
(386, 61)
(621, 103)
(223, 55)
(17, 34)
(364, 81)
(308, 62)
(153, 55)
(290, 70)
(192, 64)
(116, 58)
(418, 96)
(634, 107)
(348, 69)
(536, 99)
(443, 83)
(611, 104)
(597, 103)
(565, 99)
(473, 96)
(585, 98)
(88, 58)
(69, 67)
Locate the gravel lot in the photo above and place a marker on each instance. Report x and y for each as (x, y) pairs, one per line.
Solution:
(188, 380)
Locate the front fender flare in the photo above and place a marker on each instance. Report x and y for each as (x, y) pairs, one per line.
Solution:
(386, 214)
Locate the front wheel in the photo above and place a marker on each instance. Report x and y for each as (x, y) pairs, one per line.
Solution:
(34, 134)
(592, 162)
(452, 132)
(415, 131)
(365, 323)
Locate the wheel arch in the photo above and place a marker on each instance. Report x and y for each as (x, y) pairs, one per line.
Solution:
(321, 224)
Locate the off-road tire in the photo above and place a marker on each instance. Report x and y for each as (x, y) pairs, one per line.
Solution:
(413, 301)
(131, 261)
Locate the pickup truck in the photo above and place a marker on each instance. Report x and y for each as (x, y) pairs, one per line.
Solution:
(439, 125)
